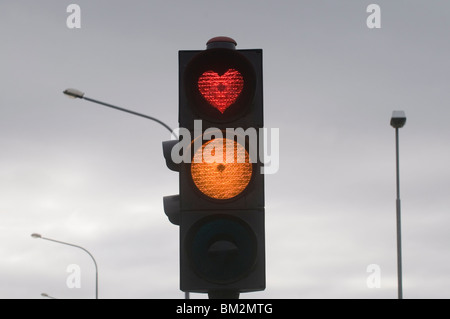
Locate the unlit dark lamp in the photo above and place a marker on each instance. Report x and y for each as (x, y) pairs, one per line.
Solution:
(398, 119)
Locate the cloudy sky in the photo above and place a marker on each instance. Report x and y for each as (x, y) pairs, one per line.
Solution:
(77, 172)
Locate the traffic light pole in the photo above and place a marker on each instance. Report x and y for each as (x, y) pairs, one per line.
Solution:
(223, 294)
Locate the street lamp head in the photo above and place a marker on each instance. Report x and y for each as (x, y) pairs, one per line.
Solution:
(36, 235)
(74, 93)
(398, 119)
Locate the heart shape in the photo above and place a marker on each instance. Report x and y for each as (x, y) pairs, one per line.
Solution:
(221, 91)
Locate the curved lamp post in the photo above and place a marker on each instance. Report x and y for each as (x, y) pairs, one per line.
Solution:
(47, 296)
(76, 94)
(39, 236)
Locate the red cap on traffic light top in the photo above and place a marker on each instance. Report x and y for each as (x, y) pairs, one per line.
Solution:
(221, 42)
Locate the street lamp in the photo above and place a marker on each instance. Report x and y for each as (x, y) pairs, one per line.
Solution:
(47, 296)
(398, 120)
(39, 236)
(76, 94)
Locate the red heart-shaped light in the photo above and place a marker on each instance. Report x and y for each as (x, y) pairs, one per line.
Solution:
(221, 91)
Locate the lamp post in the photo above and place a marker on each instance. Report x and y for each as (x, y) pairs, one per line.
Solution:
(45, 295)
(398, 120)
(76, 94)
(39, 236)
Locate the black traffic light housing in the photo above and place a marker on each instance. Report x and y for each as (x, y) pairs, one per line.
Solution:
(246, 111)
(222, 240)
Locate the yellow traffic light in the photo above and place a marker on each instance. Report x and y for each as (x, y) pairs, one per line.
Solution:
(218, 176)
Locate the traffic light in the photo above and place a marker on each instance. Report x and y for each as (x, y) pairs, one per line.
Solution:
(220, 209)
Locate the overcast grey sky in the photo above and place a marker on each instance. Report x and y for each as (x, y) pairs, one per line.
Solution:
(77, 172)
